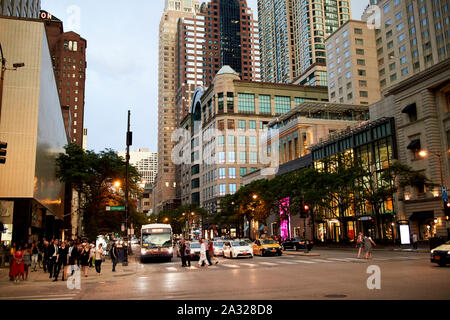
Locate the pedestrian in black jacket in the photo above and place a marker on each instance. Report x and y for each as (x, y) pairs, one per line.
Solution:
(114, 254)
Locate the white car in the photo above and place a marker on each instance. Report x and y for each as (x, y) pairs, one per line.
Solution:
(218, 248)
(235, 249)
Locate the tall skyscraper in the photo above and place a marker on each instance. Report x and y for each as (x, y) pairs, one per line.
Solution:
(222, 33)
(277, 41)
(293, 34)
(68, 51)
(20, 8)
(165, 184)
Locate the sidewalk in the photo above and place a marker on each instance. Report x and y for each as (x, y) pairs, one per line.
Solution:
(41, 277)
(377, 248)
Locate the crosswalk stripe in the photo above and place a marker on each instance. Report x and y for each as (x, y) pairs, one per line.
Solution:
(304, 261)
(353, 259)
(193, 268)
(172, 269)
(249, 264)
(338, 259)
(322, 260)
(268, 263)
(230, 266)
(286, 262)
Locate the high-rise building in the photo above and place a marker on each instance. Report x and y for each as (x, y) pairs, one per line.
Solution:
(164, 191)
(222, 33)
(277, 40)
(146, 163)
(20, 8)
(68, 50)
(412, 37)
(293, 34)
(352, 64)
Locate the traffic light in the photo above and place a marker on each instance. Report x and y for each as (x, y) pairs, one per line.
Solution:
(447, 210)
(3, 146)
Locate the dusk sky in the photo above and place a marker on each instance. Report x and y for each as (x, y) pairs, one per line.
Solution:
(122, 65)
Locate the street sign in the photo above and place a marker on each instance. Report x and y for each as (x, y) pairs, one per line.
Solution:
(117, 208)
(444, 194)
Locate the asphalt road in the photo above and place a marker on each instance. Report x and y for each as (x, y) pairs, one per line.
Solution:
(335, 275)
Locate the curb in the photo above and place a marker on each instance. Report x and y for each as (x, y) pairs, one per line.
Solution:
(301, 254)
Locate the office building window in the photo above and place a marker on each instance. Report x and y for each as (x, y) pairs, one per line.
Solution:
(231, 140)
(246, 102)
(232, 173)
(242, 141)
(222, 173)
(232, 188)
(242, 125)
(242, 157)
(243, 172)
(264, 104)
(282, 104)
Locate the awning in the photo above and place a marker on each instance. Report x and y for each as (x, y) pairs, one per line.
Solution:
(426, 215)
(414, 145)
(411, 108)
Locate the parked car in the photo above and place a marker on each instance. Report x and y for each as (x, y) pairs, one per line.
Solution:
(218, 248)
(235, 249)
(195, 250)
(441, 254)
(265, 247)
(297, 244)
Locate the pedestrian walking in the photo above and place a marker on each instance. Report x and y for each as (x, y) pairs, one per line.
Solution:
(182, 252)
(368, 243)
(98, 259)
(17, 269)
(114, 254)
(72, 256)
(12, 252)
(34, 256)
(203, 258)
(92, 255)
(53, 251)
(26, 260)
(61, 261)
(45, 257)
(414, 240)
(84, 259)
(211, 253)
(360, 244)
(187, 254)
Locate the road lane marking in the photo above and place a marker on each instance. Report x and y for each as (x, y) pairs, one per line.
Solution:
(338, 259)
(230, 265)
(249, 264)
(268, 263)
(286, 262)
(304, 261)
(322, 260)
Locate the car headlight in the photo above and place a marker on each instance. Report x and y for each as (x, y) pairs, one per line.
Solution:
(143, 251)
(171, 250)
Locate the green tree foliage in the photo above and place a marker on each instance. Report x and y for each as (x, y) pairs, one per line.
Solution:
(93, 175)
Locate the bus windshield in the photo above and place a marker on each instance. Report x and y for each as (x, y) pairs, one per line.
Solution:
(163, 240)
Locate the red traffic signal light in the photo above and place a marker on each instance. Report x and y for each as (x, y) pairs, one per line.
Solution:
(306, 207)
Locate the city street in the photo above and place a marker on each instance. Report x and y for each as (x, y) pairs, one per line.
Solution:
(335, 274)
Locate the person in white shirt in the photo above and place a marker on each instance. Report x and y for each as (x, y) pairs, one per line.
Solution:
(203, 259)
(98, 259)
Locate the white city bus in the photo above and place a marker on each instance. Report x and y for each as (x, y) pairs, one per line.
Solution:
(156, 241)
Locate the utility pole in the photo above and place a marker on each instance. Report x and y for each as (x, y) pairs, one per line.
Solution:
(127, 176)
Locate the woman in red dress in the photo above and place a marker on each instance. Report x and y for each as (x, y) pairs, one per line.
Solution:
(18, 266)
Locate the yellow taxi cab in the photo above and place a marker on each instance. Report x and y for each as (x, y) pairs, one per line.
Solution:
(265, 247)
